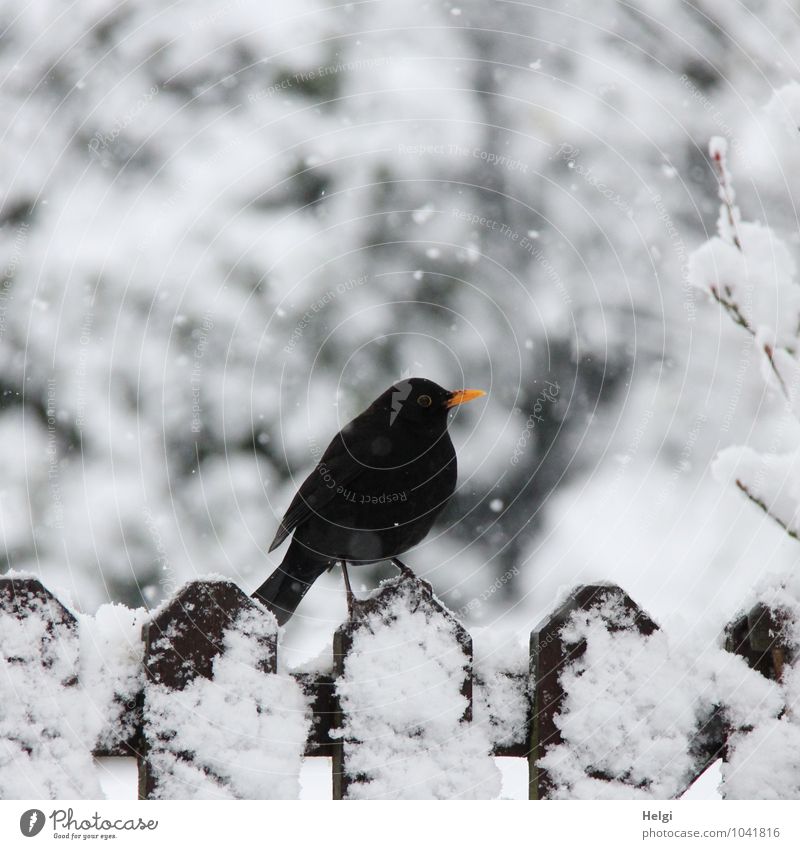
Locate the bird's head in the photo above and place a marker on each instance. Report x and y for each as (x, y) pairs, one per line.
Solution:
(421, 401)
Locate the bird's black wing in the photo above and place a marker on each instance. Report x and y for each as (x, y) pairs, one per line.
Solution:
(336, 468)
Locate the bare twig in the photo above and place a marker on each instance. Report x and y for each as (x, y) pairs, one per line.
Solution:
(762, 504)
(726, 192)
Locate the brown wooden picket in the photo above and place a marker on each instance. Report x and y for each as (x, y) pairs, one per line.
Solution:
(409, 591)
(549, 656)
(181, 642)
(759, 636)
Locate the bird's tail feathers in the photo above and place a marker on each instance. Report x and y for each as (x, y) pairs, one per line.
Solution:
(286, 586)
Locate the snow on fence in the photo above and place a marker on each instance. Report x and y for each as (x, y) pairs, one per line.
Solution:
(605, 706)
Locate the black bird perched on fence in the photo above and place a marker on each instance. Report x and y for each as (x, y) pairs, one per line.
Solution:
(374, 494)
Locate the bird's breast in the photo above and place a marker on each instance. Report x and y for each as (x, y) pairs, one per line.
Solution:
(387, 508)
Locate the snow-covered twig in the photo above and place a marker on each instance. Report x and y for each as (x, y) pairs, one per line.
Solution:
(763, 506)
(728, 230)
(732, 308)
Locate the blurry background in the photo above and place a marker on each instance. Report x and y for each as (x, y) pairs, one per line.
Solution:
(225, 227)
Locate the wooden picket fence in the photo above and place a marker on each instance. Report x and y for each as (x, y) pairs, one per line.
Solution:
(184, 636)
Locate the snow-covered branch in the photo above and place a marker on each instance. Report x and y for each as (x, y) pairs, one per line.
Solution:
(751, 273)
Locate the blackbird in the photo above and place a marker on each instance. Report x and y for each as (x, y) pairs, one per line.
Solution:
(374, 494)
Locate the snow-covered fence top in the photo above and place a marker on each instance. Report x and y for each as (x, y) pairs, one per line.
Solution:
(604, 706)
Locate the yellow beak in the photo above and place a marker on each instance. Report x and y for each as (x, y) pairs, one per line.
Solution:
(461, 396)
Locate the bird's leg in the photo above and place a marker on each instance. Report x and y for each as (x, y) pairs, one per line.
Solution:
(351, 599)
(404, 570)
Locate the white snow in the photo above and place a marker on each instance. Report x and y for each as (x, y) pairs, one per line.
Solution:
(784, 105)
(500, 685)
(111, 672)
(773, 480)
(763, 763)
(759, 279)
(118, 777)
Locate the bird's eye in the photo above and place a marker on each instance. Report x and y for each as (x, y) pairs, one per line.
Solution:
(424, 400)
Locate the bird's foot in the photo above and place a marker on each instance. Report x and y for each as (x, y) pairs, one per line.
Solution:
(352, 601)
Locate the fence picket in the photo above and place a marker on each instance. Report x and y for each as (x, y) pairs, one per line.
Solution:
(759, 636)
(550, 656)
(45, 723)
(403, 668)
(181, 643)
(760, 756)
